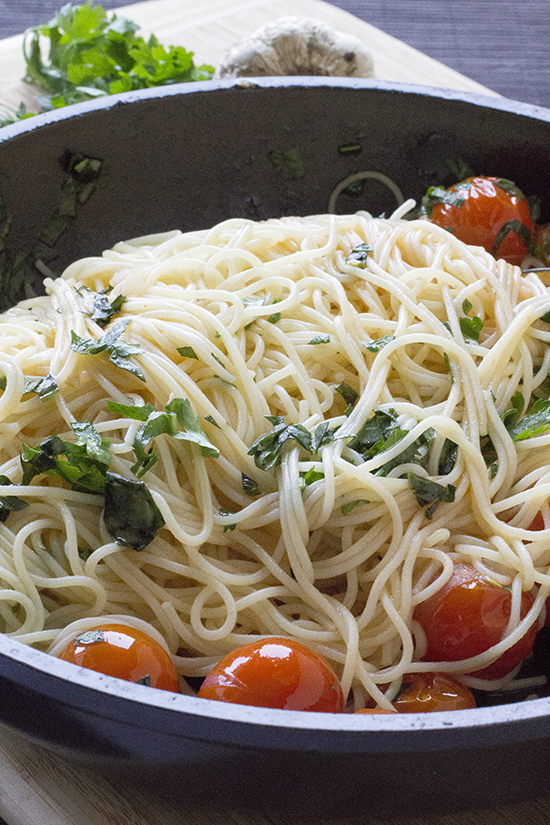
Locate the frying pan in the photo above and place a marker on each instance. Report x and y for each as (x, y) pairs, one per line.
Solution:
(187, 157)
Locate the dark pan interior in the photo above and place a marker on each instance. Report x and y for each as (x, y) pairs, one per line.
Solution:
(188, 157)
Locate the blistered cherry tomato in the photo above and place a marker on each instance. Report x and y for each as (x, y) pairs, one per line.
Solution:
(428, 692)
(468, 615)
(275, 673)
(124, 652)
(488, 212)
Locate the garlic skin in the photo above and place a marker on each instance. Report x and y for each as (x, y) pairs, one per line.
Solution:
(298, 46)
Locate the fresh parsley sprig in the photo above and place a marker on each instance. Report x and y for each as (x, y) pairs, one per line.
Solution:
(92, 53)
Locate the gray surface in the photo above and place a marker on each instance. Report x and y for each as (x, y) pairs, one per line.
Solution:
(502, 44)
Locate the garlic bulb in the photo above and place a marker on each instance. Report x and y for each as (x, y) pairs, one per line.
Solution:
(298, 46)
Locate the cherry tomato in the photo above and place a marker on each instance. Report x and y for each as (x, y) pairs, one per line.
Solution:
(275, 673)
(487, 212)
(468, 615)
(428, 692)
(124, 652)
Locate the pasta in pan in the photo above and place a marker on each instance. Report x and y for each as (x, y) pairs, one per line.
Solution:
(310, 414)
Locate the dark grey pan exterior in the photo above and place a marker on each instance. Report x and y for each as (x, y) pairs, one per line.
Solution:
(187, 157)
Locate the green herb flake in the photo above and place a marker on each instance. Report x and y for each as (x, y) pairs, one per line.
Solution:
(376, 346)
(131, 516)
(251, 488)
(89, 637)
(9, 504)
(471, 327)
(359, 255)
(351, 505)
(312, 476)
(511, 226)
(46, 388)
(120, 351)
(429, 493)
(188, 352)
(535, 422)
(324, 338)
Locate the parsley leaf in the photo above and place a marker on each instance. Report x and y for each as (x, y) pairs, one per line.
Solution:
(324, 338)
(92, 53)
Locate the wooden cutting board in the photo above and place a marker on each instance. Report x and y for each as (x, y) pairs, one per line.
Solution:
(40, 788)
(210, 27)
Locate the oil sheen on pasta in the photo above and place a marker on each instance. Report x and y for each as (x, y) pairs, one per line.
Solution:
(259, 325)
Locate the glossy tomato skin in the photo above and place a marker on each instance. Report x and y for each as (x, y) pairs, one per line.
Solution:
(468, 615)
(430, 692)
(124, 652)
(478, 210)
(275, 673)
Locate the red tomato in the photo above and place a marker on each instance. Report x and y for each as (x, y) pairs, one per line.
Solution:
(428, 692)
(124, 652)
(487, 212)
(468, 615)
(275, 673)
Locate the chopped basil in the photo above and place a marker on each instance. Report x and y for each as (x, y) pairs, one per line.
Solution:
(84, 465)
(251, 488)
(324, 338)
(430, 493)
(9, 504)
(471, 327)
(311, 477)
(141, 413)
(227, 513)
(358, 255)
(131, 516)
(351, 505)
(376, 346)
(18, 273)
(103, 309)
(466, 306)
(536, 421)
(212, 421)
(120, 351)
(89, 637)
(45, 388)
(267, 449)
(511, 226)
(177, 414)
(187, 352)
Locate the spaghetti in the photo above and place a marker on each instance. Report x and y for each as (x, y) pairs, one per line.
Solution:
(315, 409)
